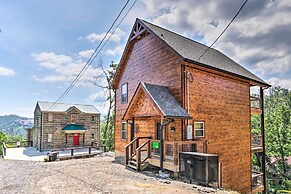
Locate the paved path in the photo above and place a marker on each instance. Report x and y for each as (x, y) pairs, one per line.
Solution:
(32, 154)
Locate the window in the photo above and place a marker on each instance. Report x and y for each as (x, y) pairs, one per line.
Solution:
(93, 119)
(199, 129)
(50, 117)
(92, 136)
(123, 130)
(49, 137)
(124, 93)
(73, 118)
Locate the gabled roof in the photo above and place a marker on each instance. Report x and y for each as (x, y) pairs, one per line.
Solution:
(163, 100)
(190, 50)
(63, 107)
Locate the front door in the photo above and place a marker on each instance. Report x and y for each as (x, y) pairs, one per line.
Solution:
(76, 139)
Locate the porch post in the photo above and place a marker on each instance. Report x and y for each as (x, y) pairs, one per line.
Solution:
(66, 139)
(83, 139)
(132, 133)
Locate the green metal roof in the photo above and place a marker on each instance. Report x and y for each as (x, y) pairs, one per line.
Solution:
(74, 127)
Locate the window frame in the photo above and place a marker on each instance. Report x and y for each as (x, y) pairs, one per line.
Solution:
(50, 117)
(93, 118)
(126, 97)
(203, 129)
(123, 131)
(49, 137)
(73, 115)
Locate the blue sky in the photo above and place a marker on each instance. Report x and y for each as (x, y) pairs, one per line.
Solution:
(44, 44)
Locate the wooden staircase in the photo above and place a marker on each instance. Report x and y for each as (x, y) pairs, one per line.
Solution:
(136, 156)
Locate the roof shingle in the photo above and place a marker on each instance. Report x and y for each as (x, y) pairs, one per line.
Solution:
(62, 107)
(191, 50)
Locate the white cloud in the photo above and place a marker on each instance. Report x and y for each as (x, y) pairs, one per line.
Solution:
(86, 53)
(99, 96)
(51, 60)
(285, 83)
(115, 51)
(65, 69)
(259, 38)
(116, 37)
(6, 72)
(102, 107)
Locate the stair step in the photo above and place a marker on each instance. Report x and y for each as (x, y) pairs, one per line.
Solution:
(133, 162)
(131, 166)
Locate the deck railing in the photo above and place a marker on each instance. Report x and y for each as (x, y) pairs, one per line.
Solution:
(130, 149)
(152, 148)
(257, 179)
(14, 144)
(255, 102)
(257, 141)
(173, 148)
(145, 147)
(4, 149)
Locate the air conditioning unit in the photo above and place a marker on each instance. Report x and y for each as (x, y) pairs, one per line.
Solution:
(199, 168)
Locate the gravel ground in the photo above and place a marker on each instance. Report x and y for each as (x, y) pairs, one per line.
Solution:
(92, 175)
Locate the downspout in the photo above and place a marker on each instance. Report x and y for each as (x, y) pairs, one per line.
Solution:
(162, 141)
(263, 139)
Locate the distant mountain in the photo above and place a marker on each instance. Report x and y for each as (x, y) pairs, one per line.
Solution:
(15, 125)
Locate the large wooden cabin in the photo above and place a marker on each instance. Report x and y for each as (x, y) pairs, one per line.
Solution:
(170, 100)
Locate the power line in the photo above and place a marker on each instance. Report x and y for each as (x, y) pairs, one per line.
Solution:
(92, 57)
(222, 31)
(116, 28)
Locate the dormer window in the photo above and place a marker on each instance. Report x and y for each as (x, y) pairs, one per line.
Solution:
(124, 93)
(73, 118)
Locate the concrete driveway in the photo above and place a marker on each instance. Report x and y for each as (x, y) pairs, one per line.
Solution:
(32, 154)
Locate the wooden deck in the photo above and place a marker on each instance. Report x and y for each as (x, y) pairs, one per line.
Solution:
(149, 152)
(257, 145)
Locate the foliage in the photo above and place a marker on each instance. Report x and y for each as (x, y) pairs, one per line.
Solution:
(5, 138)
(277, 108)
(107, 126)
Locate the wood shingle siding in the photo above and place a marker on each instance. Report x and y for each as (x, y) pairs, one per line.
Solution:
(224, 105)
(217, 93)
(146, 62)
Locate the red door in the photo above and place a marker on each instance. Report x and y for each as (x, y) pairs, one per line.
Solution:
(76, 139)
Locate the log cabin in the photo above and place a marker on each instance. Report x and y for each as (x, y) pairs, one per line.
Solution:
(179, 102)
(62, 125)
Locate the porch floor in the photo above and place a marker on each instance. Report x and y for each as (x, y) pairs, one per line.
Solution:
(32, 154)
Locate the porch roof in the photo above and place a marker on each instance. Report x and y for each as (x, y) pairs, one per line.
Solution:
(162, 99)
(73, 128)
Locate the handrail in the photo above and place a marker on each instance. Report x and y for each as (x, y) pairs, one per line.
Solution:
(128, 154)
(256, 140)
(129, 144)
(28, 143)
(4, 149)
(138, 153)
(257, 174)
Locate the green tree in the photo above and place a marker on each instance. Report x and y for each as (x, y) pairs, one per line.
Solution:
(277, 108)
(107, 126)
(3, 138)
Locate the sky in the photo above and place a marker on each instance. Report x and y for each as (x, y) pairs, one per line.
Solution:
(45, 44)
